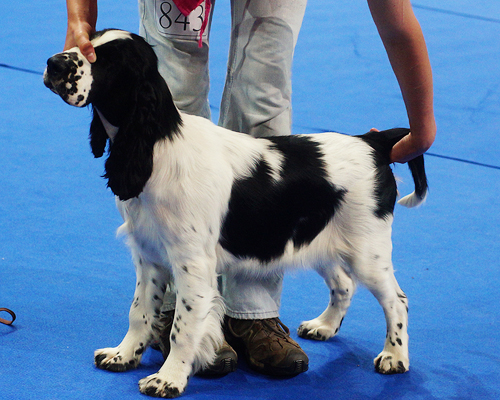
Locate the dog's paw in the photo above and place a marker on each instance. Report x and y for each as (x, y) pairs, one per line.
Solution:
(155, 386)
(388, 363)
(116, 359)
(316, 330)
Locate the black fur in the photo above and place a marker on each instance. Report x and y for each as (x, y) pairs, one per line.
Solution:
(386, 190)
(136, 100)
(98, 136)
(264, 215)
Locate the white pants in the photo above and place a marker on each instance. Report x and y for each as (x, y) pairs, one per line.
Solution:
(256, 99)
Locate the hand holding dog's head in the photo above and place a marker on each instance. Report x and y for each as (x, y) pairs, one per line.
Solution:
(125, 60)
(131, 97)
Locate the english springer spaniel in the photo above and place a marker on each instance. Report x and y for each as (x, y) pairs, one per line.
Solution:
(198, 199)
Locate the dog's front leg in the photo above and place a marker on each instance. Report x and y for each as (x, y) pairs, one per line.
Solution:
(145, 309)
(196, 331)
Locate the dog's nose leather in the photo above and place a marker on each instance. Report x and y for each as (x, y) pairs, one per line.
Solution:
(56, 65)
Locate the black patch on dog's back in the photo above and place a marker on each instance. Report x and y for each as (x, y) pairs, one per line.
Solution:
(264, 215)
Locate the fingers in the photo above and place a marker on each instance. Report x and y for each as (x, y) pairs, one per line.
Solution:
(409, 147)
(86, 48)
(80, 38)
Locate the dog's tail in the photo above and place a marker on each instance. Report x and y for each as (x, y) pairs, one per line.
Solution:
(382, 142)
(419, 195)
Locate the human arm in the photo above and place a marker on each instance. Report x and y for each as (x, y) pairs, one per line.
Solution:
(405, 46)
(82, 18)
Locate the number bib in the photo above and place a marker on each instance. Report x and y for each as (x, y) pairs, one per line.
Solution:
(172, 23)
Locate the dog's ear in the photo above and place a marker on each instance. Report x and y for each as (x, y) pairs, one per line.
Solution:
(130, 161)
(150, 116)
(98, 135)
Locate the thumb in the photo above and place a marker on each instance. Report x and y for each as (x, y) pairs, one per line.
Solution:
(86, 47)
(80, 38)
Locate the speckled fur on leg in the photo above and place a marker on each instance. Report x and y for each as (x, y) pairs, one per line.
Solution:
(373, 267)
(394, 359)
(327, 325)
(196, 331)
(145, 310)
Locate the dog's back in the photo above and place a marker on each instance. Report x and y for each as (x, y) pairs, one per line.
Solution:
(280, 213)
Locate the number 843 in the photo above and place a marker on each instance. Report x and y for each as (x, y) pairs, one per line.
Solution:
(171, 15)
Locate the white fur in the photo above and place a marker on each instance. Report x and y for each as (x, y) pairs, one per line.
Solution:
(111, 130)
(176, 221)
(412, 200)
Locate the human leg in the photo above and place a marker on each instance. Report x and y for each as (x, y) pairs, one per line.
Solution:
(257, 93)
(257, 101)
(182, 63)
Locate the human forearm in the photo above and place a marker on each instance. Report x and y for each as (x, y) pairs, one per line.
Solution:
(82, 18)
(407, 52)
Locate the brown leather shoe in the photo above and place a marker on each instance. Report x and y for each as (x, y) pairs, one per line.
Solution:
(226, 359)
(268, 347)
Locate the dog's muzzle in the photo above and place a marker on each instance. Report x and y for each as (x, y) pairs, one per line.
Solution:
(68, 76)
(57, 68)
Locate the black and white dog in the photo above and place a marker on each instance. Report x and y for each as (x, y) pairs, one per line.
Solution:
(198, 199)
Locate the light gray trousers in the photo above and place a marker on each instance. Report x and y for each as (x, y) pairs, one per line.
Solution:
(256, 98)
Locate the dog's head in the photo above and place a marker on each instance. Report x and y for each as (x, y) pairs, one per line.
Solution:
(124, 85)
(72, 77)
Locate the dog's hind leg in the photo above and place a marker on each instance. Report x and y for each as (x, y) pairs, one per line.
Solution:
(196, 331)
(394, 359)
(327, 325)
(373, 268)
(145, 310)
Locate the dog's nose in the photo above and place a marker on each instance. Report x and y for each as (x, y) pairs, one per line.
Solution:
(57, 65)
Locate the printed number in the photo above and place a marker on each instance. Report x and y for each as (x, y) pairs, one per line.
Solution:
(200, 17)
(185, 22)
(166, 20)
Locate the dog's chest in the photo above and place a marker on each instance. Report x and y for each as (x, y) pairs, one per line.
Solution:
(146, 232)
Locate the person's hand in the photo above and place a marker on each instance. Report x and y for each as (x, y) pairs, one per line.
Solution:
(412, 145)
(79, 36)
(82, 19)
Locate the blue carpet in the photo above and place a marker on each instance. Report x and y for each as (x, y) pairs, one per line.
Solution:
(70, 280)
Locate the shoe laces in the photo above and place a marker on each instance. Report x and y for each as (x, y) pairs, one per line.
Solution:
(270, 324)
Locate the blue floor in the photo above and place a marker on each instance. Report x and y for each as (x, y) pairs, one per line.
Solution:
(70, 280)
